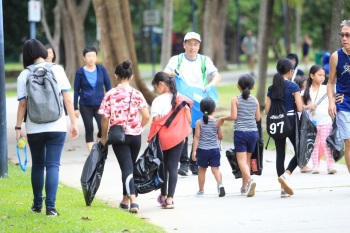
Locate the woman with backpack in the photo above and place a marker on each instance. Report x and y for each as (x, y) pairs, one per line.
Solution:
(45, 139)
(289, 92)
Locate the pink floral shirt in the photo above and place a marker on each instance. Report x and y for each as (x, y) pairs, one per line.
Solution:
(115, 106)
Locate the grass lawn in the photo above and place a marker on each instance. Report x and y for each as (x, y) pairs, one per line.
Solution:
(16, 200)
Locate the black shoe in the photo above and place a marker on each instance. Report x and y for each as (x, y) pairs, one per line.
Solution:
(134, 208)
(52, 212)
(35, 209)
(194, 169)
(183, 170)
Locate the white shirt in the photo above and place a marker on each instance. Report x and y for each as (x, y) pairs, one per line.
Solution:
(63, 84)
(320, 115)
(191, 70)
(161, 105)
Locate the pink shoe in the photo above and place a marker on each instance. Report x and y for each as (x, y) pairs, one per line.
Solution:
(159, 200)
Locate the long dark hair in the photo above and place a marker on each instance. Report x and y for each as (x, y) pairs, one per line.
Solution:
(169, 82)
(246, 83)
(124, 70)
(284, 65)
(207, 107)
(313, 70)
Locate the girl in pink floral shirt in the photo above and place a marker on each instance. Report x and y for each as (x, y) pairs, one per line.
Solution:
(115, 111)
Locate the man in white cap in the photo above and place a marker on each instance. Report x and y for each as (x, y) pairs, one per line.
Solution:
(193, 68)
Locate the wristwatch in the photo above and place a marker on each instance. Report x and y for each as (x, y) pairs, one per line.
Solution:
(17, 128)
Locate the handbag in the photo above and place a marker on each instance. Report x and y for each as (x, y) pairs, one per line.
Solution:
(335, 143)
(116, 133)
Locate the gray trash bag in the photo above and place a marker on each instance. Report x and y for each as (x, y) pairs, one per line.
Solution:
(92, 172)
(335, 143)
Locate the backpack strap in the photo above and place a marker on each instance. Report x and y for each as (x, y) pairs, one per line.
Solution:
(179, 60)
(48, 65)
(204, 68)
(173, 115)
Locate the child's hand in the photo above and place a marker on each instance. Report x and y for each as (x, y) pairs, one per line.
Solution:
(313, 106)
(194, 156)
(219, 122)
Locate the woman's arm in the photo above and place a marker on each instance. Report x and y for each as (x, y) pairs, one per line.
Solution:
(145, 116)
(104, 129)
(74, 133)
(298, 101)
(22, 108)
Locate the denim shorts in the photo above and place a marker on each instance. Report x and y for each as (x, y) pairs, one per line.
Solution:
(245, 141)
(343, 123)
(209, 157)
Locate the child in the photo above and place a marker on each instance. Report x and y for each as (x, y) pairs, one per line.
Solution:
(319, 115)
(289, 91)
(245, 111)
(206, 147)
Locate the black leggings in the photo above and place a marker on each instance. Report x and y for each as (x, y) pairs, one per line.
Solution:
(184, 159)
(88, 113)
(171, 161)
(281, 151)
(126, 154)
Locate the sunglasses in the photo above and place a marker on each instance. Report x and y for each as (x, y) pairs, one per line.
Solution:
(347, 35)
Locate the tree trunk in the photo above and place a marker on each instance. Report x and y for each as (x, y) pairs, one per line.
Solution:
(337, 17)
(117, 42)
(55, 39)
(287, 23)
(167, 31)
(218, 27)
(266, 13)
(206, 32)
(74, 34)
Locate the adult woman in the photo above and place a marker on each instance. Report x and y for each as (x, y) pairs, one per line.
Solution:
(121, 106)
(90, 84)
(171, 138)
(283, 88)
(45, 140)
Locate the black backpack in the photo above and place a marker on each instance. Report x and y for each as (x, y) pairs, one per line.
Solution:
(278, 125)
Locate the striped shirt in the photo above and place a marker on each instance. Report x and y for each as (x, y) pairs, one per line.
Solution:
(246, 114)
(208, 138)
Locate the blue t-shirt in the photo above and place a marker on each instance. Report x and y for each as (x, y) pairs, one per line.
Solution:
(91, 77)
(288, 98)
(343, 80)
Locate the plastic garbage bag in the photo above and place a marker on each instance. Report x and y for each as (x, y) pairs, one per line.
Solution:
(149, 168)
(306, 139)
(92, 172)
(335, 143)
(232, 159)
(196, 94)
(257, 156)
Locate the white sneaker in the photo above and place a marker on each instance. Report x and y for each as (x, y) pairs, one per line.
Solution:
(200, 194)
(284, 180)
(243, 192)
(251, 188)
(284, 194)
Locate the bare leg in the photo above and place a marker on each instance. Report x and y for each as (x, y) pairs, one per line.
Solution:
(201, 178)
(242, 158)
(217, 174)
(347, 153)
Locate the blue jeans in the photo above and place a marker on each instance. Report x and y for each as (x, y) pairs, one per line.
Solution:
(46, 149)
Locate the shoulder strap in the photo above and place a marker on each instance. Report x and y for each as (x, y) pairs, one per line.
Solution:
(173, 115)
(204, 68)
(49, 65)
(320, 100)
(179, 60)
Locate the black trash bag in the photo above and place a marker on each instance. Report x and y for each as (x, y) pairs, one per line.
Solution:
(232, 159)
(149, 168)
(92, 171)
(307, 136)
(256, 162)
(335, 143)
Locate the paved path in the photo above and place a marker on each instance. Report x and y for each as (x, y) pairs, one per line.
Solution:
(320, 204)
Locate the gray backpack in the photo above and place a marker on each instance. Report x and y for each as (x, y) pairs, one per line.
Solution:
(44, 99)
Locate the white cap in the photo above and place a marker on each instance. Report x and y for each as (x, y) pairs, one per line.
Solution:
(192, 35)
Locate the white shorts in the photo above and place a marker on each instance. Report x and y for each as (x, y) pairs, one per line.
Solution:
(343, 124)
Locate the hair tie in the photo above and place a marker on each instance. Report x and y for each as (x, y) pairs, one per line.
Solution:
(205, 112)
